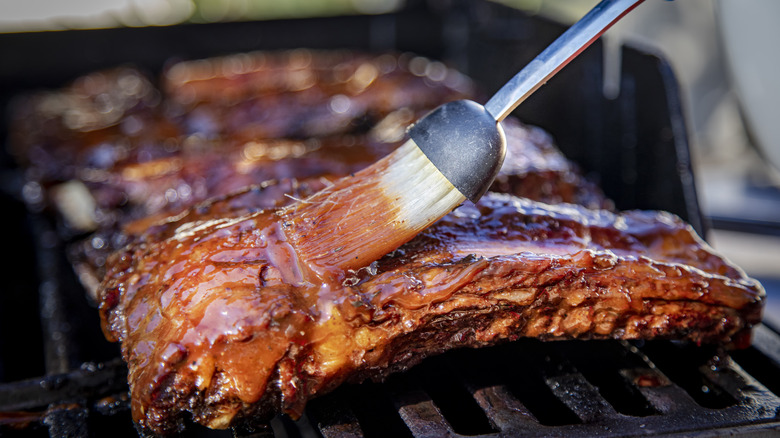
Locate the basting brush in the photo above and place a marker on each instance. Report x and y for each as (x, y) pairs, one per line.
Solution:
(453, 154)
(361, 218)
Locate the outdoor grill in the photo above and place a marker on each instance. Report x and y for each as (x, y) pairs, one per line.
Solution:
(59, 377)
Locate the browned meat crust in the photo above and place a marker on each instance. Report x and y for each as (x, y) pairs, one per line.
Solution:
(534, 169)
(218, 125)
(217, 318)
(139, 154)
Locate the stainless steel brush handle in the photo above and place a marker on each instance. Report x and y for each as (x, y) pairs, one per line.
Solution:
(557, 55)
(463, 139)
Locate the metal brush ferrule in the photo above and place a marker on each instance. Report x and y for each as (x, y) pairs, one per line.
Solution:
(466, 144)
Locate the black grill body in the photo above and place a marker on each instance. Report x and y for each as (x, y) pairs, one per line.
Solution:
(59, 377)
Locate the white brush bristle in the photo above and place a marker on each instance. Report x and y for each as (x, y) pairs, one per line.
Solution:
(422, 193)
(359, 219)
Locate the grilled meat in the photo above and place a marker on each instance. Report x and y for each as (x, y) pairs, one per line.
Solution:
(135, 154)
(217, 125)
(219, 321)
(217, 318)
(534, 168)
(131, 150)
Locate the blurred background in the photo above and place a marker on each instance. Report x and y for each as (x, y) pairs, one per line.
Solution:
(723, 52)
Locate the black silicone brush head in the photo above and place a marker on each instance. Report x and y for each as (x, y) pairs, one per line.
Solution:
(465, 143)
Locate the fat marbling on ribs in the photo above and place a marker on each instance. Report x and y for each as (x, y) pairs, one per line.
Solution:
(134, 149)
(213, 126)
(219, 320)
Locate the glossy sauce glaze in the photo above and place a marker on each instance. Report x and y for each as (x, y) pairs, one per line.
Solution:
(219, 317)
(213, 126)
(534, 168)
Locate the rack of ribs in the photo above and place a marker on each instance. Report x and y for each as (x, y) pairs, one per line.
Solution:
(217, 317)
(135, 147)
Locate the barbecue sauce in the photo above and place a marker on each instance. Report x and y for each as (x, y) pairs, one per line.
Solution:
(221, 315)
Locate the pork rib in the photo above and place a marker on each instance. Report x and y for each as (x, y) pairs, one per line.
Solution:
(216, 125)
(217, 320)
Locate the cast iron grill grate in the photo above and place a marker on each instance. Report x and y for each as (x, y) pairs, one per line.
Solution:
(633, 395)
(635, 144)
(529, 387)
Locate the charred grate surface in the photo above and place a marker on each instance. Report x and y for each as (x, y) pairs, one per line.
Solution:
(528, 387)
(594, 388)
(571, 388)
(620, 391)
(464, 393)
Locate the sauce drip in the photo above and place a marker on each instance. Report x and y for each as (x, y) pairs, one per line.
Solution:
(219, 312)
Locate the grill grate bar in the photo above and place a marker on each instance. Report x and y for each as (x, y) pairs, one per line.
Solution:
(741, 385)
(58, 349)
(581, 397)
(257, 432)
(504, 411)
(676, 411)
(662, 394)
(421, 415)
(67, 420)
(332, 416)
(449, 384)
(91, 382)
(768, 342)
